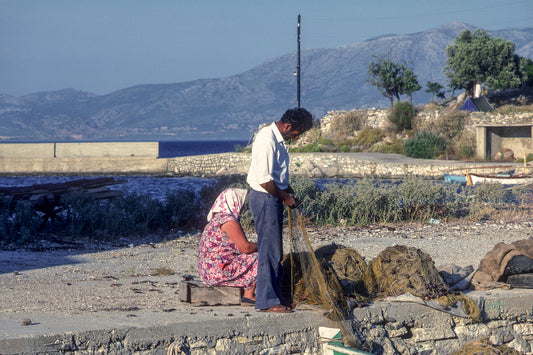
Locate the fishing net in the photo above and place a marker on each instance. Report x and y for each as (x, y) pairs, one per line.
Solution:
(312, 281)
(400, 269)
(347, 265)
(484, 347)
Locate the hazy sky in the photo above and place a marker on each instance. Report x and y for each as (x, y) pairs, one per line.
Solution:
(105, 45)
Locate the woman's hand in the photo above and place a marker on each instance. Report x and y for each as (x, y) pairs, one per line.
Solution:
(235, 233)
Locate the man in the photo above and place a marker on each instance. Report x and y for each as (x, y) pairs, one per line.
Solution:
(268, 178)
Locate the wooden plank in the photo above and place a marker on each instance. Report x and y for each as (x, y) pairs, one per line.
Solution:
(198, 294)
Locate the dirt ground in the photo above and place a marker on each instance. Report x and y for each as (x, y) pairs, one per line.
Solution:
(144, 275)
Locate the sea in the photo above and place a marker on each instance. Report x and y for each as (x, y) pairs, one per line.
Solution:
(155, 186)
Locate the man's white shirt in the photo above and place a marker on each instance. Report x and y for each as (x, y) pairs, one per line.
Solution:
(270, 159)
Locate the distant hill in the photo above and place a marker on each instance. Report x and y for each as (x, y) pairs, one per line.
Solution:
(233, 107)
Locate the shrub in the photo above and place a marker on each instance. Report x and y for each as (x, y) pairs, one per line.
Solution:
(395, 146)
(402, 115)
(465, 146)
(426, 145)
(451, 124)
(308, 148)
(19, 224)
(369, 136)
(347, 145)
(507, 109)
(325, 141)
(345, 124)
(529, 157)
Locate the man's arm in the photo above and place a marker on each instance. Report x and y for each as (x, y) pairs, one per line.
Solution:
(273, 189)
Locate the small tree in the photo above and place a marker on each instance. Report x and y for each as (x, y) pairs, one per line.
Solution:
(392, 79)
(435, 89)
(387, 77)
(476, 57)
(409, 84)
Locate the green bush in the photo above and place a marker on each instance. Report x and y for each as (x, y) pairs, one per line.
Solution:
(402, 116)
(325, 141)
(426, 145)
(395, 146)
(308, 148)
(19, 224)
(369, 136)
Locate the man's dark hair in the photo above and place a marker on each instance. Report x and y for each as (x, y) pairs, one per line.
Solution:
(299, 118)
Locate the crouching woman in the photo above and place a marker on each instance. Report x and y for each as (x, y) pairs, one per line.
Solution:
(226, 257)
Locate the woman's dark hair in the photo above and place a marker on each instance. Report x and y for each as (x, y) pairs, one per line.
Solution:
(299, 118)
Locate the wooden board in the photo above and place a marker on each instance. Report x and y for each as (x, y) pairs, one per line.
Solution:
(198, 294)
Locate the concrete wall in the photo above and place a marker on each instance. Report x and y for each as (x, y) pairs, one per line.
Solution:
(108, 149)
(86, 165)
(492, 140)
(78, 150)
(26, 150)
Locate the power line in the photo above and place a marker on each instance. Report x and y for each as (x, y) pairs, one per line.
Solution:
(451, 12)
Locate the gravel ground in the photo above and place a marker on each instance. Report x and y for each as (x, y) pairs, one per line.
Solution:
(129, 278)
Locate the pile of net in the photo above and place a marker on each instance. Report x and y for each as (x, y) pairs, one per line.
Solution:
(336, 278)
(341, 269)
(400, 269)
(310, 281)
(484, 347)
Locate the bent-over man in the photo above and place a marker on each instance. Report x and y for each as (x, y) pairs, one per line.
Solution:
(268, 178)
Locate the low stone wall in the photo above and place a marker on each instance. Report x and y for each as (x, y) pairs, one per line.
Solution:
(231, 334)
(411, 328)
(383, 327)
(328, 165)
(210, 164)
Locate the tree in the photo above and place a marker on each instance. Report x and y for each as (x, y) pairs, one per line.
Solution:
(409, 84)
(392, 79)
(475, 57)
(528, 68)
(435, 89)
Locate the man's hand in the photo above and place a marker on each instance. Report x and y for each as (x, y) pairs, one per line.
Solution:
(288, 198)
(291, 201)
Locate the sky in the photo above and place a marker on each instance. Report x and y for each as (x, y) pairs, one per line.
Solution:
(101, 46)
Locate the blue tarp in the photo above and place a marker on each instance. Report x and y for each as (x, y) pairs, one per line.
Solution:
(469, 106)
(477, 104)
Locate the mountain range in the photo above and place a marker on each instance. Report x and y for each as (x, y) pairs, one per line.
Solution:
(233, 107)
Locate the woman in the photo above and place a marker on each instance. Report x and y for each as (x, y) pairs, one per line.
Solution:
(226, 257)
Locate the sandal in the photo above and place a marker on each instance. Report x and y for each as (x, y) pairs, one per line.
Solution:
(245, 301)
(278, 309)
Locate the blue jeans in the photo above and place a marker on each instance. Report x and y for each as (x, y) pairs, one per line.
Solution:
(268, 215)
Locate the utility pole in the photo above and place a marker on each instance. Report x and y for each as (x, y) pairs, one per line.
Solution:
(298, 66)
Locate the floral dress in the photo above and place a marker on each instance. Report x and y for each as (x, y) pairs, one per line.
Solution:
(220, 263)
